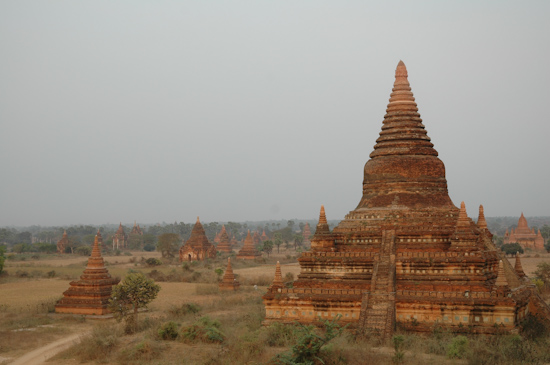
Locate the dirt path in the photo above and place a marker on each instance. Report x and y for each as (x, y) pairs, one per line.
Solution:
(42, 354)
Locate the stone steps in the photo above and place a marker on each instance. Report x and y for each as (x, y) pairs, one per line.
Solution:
(378, 306)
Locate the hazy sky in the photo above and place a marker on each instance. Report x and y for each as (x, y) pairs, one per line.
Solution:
(250, 110)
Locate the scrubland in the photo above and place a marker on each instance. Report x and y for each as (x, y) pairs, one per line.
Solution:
(192, 322)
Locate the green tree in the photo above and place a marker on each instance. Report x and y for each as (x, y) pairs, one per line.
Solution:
(278, 240)
(134, 292)
(267, 247)
(135, 241)
(547, 246)
(168, 244)
(512, 248)
(543, 273)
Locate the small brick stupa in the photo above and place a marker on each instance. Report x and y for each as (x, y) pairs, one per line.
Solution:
(63, 243)
(248, 251)
(89, 295)
(229, 282)
(197, 247)
(525, 236)
(224, 245)
(120, 238)
(306, 233)
(406, 255)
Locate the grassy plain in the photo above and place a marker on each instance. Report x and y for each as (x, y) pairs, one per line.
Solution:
(28, 321)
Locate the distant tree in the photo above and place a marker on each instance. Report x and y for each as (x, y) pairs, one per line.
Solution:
(267, 247)
(168, 244)
(88, 239)
(134, 292)
(278, 240)
(545, 231)
(149, 239)
(45, 247)
(547, 246)
(290, 224)
(512, 248)
(135, 241)
(24, 237)
(543, 273)
(298, 241)
(301, 225)
(2, 257)
(22, 247)
(83, 250)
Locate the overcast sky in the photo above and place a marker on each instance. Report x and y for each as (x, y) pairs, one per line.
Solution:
(252, 110)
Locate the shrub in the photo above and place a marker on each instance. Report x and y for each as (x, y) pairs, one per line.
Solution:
(204, 330)
(184, 309)
(458, 347)
(149, 247)
(168, 331)
(145, 350)
(310, 343)
(153, 262)
(51, 274)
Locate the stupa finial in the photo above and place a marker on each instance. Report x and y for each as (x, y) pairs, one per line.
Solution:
(481, 222)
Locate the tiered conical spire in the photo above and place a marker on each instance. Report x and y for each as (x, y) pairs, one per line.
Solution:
(501, 278)
(403, 132)
(404, 169)
(90, 294)
(463, 220)
(224, 245)
(481, 222)
(229, 282)
(278, 280)
(518, 268)
(248, 251)
(322, 226)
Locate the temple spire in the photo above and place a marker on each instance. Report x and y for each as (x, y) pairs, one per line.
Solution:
(518, 267)
(463, 220)
(501, 277)
(278, 280)
(481, 222)
(322, 226)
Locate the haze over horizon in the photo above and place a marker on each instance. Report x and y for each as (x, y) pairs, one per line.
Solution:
(249, 111)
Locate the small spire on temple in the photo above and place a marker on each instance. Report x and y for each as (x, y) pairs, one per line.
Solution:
(322, 216)
(463, 220)
(518, 267)
(501, 276)
(481, 222)
(278, 280)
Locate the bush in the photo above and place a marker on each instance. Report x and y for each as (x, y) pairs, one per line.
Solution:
(187, 308)
(458, 347)
(168, 331)
(153, 262)
(204, 330)
(149, 247)
(51, 274)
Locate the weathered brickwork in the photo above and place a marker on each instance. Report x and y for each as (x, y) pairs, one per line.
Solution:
(249, 251)
(406, 256)
(89, 295)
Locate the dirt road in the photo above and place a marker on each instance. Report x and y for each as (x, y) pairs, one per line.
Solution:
(40, 355)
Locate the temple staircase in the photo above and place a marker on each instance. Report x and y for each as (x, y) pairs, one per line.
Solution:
(378, 305)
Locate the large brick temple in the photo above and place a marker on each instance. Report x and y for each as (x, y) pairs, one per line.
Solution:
(525, 236)
(406, 256)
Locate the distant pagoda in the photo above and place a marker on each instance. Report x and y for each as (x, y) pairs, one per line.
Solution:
(63, 243)
(264, 237)
(120, 238)
(525, 236)
(136, 230)
(89, 295)
(197, 247)
(229, 282)
(224, 245)
(248, 251)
